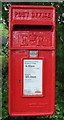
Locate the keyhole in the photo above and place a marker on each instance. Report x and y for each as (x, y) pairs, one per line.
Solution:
(19, 81)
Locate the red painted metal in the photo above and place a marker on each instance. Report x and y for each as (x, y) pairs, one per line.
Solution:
(31, 28)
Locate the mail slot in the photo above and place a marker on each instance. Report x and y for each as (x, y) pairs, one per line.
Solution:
(32, 44)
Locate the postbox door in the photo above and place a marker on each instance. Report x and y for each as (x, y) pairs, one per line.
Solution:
(37, 103)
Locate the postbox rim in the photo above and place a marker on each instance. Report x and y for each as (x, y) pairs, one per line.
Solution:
(32, 6)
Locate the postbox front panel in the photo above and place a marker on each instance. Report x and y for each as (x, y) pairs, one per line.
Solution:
(31, 60)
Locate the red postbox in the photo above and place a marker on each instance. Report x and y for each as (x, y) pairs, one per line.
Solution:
(31, 60)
